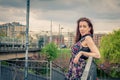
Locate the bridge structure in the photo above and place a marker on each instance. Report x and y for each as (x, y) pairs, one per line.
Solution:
(15, 48)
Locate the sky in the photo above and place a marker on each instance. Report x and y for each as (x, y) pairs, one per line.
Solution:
(104, 14)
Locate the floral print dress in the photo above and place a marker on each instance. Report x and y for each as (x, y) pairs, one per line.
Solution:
(75, 70)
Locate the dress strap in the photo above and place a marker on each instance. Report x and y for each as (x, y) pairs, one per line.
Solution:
(83, 37)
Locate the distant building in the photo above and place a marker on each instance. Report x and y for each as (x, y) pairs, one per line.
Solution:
(64, 39)
(13, 30)
(70, 41)
(97, 37)
(59, 39)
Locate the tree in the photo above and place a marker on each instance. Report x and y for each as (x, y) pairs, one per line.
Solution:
(51, 51)
(110, 51)
(110, 47)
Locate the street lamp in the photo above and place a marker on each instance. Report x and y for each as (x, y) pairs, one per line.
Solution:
(61, 36)
(27, 40)
(51, 32)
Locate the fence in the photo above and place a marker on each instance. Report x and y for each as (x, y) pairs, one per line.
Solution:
(14, 70)
(37, 70)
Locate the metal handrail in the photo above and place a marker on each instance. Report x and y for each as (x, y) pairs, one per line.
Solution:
(87, 69)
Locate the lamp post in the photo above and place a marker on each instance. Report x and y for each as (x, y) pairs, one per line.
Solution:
(61, 36)
(51, 32)
(61, 39)
(27, 40)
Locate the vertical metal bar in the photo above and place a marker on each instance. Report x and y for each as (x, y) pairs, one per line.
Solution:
(27, 40)
(51, 32)
(68, 39)
(44, 40)
(59, 37)
(50, 70)
(0, 70)
(47, 70)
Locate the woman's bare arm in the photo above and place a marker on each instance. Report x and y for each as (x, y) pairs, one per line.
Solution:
(94, 50)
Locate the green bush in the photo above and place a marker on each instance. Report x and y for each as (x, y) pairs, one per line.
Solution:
(110, 50)
(50, 50)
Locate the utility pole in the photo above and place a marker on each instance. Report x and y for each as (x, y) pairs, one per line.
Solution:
(68, 38)
(51, 32)
(59, 37)
(27, 40)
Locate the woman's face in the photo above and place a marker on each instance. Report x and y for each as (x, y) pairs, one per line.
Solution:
(84, 28)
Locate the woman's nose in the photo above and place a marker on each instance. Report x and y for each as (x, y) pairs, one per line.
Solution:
(81, 28)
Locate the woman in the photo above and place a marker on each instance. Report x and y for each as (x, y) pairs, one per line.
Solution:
(82, 49)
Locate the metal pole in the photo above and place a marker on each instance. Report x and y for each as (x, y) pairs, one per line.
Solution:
(59, 36)
(47, 70)
(0, 70)
(51, 32)
(68, 39)
(44, 39)
(50, 70)
(27, 40)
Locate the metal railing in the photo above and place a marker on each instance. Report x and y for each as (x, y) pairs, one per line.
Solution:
(37, 70)
(14, 70)
(90, 70)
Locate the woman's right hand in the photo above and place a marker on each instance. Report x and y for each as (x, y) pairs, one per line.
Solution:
(76, 59)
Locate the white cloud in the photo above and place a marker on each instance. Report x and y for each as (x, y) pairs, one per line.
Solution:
(103, 13)
(12, 14)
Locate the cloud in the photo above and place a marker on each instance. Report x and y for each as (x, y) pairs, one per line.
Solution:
(13, 3)
(103, 13)
(11, 14)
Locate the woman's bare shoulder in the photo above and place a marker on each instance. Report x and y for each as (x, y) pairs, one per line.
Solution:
(88, 37)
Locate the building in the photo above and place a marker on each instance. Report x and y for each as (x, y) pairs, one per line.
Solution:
(97, 37)
(13, 30)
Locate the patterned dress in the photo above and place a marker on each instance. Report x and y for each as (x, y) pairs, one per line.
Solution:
(75, 70)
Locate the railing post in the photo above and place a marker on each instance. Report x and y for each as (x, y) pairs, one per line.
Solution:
(0, 70)
(47, 70)
(50, 70)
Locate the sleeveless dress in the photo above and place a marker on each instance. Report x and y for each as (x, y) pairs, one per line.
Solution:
(75, 70)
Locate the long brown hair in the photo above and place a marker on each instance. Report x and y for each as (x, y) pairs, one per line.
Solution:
(78, 35)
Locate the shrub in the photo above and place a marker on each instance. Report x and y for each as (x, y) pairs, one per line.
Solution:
(50, 50)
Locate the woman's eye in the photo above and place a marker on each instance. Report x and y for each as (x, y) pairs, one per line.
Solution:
(84, 26)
